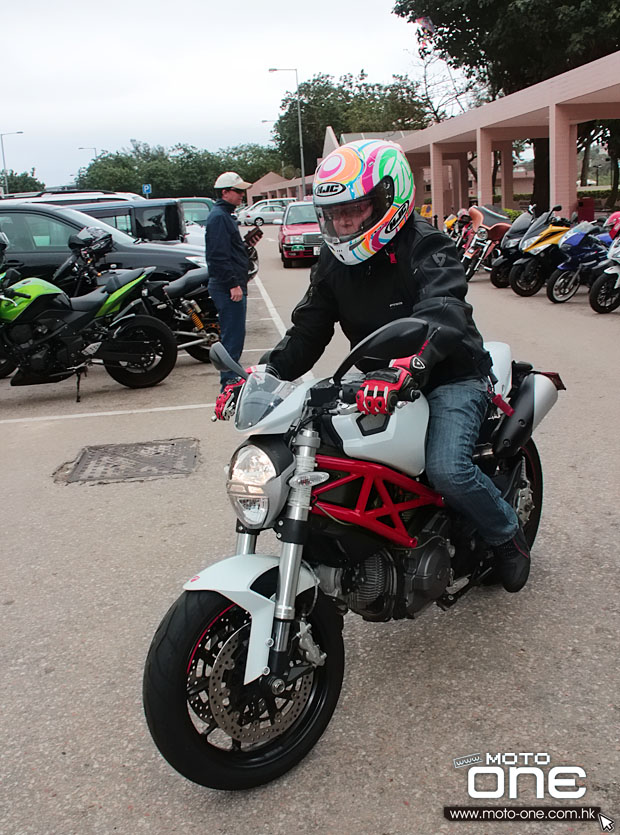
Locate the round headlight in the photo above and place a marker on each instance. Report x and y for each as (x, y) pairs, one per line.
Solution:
(482, 234)
(249, 472)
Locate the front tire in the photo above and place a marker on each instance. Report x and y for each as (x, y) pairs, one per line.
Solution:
(207, 724)
(500, 274)
(158, 358)
(562, 285)
(604, 296)
(529, 280)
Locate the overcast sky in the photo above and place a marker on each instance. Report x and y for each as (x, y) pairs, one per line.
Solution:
(193, 71)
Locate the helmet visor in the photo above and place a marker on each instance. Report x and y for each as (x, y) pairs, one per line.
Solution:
(341, 222)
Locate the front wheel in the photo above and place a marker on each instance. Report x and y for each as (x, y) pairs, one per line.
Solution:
(562, 285)
(604, 295)
(529, 280)
(259, 221)
(208, 725)
(500, 273)
(471, 268)
(153, 350)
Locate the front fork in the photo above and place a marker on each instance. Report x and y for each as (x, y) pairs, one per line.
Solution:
(292, 531)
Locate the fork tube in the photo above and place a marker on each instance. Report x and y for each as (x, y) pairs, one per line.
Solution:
(246, 543)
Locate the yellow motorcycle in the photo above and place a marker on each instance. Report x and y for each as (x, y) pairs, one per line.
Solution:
(541, 254)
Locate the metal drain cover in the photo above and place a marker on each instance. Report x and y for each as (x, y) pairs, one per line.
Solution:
(133, 462)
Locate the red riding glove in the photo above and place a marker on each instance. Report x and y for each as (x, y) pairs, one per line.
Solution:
(226, 401)
(381, 390)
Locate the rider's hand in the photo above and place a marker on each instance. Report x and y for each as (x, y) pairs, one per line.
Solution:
(381, 391)
(226, 401)
(416, 367)
(236, 294)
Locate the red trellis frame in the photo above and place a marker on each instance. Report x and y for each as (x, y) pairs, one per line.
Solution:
(377, 476)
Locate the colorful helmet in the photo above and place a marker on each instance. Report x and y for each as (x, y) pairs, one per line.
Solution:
(613, 224)
(363, 194)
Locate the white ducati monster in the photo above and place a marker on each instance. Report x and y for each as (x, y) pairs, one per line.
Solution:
(245, 670)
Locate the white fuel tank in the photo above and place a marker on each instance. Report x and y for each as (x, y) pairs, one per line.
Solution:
(396, 440)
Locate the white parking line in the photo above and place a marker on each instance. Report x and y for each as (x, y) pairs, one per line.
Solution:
(108, 414)
(270, 306)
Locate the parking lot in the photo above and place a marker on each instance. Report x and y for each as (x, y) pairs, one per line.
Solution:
(89, 571)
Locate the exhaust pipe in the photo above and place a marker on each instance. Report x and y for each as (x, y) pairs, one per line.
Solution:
(536, 396)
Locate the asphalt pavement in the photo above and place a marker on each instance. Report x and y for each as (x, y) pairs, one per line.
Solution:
(89, 571)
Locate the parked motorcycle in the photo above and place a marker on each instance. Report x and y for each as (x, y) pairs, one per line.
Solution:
(50, 337)
(464, 231)
(489, 228)
(540, 255)
(184, 304)
(509, 248)
(605, 291)
(584, 248)
(245, 670)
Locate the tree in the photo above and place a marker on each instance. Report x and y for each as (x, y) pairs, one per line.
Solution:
(23, 182)
(509, 45)
(350, 105)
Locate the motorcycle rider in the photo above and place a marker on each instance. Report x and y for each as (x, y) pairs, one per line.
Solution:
(381, 261)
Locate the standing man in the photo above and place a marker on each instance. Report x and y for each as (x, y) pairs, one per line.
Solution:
(228, 262)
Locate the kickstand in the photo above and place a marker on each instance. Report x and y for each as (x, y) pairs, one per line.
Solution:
(78, 375)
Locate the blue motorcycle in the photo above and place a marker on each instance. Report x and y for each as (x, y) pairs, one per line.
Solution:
(584, 248)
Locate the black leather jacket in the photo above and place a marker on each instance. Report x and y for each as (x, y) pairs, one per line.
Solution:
(227, 256)
(427, 281)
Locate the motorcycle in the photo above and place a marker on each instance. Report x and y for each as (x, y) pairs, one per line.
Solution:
(540, 253)
(605, 291)
(509, 249)
(584, 249)
(184, 305)
(489, 229)
(50, 337)
(245, 670)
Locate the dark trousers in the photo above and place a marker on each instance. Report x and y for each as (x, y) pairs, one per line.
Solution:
(232, 325)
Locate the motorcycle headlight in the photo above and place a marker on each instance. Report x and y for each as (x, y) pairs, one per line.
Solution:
(482, 234)
(509, 244)
(257, 484)
(196, 259)
(527, 242)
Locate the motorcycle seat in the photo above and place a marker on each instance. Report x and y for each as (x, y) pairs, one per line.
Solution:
(192, 280)
(91, 301)
(118, 280)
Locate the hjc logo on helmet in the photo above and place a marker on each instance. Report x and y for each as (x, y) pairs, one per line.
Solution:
(329, 189)
(400, 214)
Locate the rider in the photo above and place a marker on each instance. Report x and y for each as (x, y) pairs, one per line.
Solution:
(381, 261)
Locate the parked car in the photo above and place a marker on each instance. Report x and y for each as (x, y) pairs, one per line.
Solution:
(70, 196)
(299, 237)
(146, 220)
(38, 236)
(264, 211)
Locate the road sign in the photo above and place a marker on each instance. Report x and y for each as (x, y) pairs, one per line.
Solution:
(146, 188)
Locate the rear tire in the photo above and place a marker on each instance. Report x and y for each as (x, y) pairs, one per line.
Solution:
(7, 367)
(604, 297)
(160, 354)
(207, 724)
(562, 286)
(529, 280)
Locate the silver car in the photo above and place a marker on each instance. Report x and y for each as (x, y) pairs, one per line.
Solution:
(264, 212)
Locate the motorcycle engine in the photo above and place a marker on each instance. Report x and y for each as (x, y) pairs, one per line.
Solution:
(395, 583)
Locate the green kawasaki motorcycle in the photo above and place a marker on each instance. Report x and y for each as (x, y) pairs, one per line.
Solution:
(49, 337)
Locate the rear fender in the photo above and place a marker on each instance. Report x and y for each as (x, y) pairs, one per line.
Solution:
(233, 578)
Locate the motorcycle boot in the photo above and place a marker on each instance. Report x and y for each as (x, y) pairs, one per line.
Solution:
(513, 561)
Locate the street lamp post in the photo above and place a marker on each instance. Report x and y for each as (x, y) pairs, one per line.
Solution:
(6, 176)
(88, 148)
(301, 140)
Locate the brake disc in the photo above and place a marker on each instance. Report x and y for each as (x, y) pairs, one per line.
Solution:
(244, 712)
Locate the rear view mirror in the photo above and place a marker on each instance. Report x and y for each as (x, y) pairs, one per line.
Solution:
(222, 361)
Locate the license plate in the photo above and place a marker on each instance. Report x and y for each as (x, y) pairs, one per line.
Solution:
(316, 250)
(298, 248)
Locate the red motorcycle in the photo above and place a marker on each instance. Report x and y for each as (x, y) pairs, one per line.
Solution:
(489, 227)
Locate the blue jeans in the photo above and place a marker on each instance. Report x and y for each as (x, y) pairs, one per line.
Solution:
(232, 325)
(456, 414)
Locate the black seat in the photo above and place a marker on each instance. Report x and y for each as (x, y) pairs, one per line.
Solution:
(192, 280)
(91, 301)
(118, 280)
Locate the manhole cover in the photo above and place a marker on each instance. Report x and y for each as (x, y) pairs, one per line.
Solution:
(130, 462)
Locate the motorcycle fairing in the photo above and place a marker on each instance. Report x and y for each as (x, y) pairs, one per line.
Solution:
(233, 578)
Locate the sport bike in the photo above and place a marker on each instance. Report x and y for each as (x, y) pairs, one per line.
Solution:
(509, 248)
(50, 337)
(584, 249)
(245, 670)
(539, 253)
(605, 290)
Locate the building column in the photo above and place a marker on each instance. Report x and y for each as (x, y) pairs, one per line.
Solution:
(437, 182)
(507, 179)
(484, 150)
(418, 179)
(562, 160)
(463, 182)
